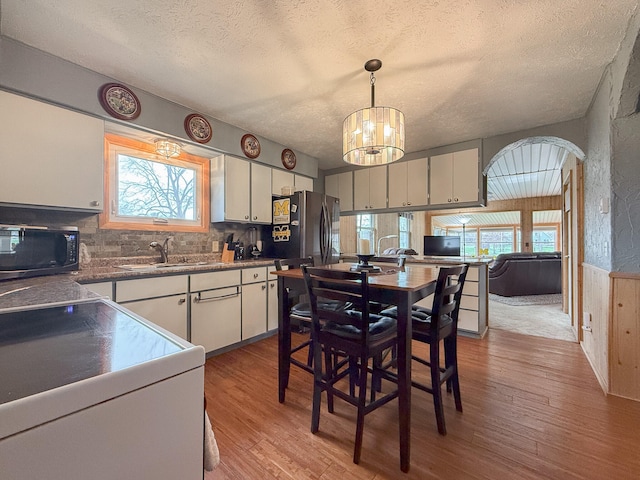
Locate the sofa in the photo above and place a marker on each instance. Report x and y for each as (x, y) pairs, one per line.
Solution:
(536, 273)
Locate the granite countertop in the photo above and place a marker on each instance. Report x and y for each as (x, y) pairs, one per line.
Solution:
(66, 288)
(108, 269)
(40, 291)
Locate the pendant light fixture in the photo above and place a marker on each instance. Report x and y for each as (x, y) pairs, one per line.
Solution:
(374, 135)
(167, 148)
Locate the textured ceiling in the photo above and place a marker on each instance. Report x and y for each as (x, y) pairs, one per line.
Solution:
(291, 71)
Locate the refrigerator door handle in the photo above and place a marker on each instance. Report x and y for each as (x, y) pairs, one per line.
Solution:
(323, 237)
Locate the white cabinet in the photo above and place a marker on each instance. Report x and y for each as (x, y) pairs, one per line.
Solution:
(161, 300)
(51, 156)
(340, 186)
(408, 186)
(254, 302)
(215, 309)
(279, 179)
(455, 177)
(370, 188)
(240, 191)
(260, 193)
(303, 183)
(272, 301)
(101, 288)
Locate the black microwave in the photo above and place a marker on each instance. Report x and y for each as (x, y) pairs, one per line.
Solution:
(29, 251)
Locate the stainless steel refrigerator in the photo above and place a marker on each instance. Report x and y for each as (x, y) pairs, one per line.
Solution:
(304, 224)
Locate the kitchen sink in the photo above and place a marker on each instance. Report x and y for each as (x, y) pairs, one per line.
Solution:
(163, 266)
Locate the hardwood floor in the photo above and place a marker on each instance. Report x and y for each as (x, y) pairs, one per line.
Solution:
(532, 410)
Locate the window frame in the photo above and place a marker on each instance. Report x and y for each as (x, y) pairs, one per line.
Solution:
(108, 219)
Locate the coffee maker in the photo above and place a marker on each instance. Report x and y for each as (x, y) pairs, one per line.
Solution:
(252, 250)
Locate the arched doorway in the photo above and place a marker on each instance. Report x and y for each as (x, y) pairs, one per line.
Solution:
(538, 167)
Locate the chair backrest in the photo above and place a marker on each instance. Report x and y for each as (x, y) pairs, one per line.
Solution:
(342, 286)
(446, 300)
(293, 262)
(399, 260)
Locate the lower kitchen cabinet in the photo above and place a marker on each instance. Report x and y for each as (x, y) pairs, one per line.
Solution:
(254, 302)
(216, 309)
(272, 301)
(160, 300)
(215, 318)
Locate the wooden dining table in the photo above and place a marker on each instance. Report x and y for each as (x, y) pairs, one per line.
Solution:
(400, 286)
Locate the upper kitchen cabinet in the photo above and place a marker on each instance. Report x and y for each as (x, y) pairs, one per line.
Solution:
(279, 179)
(240, 191)
(46, 149)
(340, 186)
(303, 183)
(455, 178)
(408, 186)
(283, 178)
(370, 188)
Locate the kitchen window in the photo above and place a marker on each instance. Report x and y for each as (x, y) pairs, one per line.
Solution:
(146, 191)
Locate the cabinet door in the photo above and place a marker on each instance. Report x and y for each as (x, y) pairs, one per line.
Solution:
(237, 190)
(260, 193)
(378, 187)
(361, 189)
(345, 187)
(279, 179)
(398, 185)
(216, 318)
(331, 186)
(466, 175)
(272, 305)
(441, 186)
(303, 183)
(417, 185)
(254, 309)
(55, 155)
(340, 186)
(102, 288)
(169, 313)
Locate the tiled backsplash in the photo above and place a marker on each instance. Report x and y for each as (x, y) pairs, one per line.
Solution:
(124, 243)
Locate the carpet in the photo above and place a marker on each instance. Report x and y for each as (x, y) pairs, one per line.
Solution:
(540, 320)
(527, 299)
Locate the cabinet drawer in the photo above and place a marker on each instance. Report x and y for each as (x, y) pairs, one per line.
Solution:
(209, 280)
(468, 320)
(150, 287)
(470, 288)
(469, 303)
(472, 274)
(254, 275)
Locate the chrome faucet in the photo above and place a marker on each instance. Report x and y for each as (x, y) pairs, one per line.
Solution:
(163, 249)
(382, 238)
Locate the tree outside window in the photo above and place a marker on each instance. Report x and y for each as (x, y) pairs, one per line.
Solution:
(147, 191)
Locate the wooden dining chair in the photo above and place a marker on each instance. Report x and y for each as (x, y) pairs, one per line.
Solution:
(439, 326)
(355, 333)
(299, 311)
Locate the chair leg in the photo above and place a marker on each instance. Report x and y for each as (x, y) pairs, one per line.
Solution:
(453, 383)
(434, 359)
(318, 386)
(362, 399)
(329, 372)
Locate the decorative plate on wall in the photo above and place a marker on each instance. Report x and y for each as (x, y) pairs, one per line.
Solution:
(250, 146)
(288, 159)
(119, 102)
(198, 128)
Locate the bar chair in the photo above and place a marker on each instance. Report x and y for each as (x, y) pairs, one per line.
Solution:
(435, 326)
(355, 333)
(300, 311)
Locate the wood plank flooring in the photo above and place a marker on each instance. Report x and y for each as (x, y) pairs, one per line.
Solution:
(532, 410)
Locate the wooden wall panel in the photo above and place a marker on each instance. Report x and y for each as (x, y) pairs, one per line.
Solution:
(625, 336)
(596, 336)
